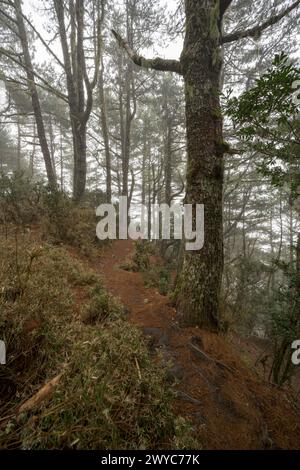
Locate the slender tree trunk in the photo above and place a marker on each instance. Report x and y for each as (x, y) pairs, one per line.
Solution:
(52, 145)
(127, 139)
(143, 192)
(168, 165)
(130, 102)
(122, 123)
(199, 284)
(132, 187)
(61, 159)
(271, 275)
(167, 134)
(34, 96)
(149, 197)
(32, 155)
(127, 129)
(291, 234)
(104, 126)
(80, 165)
(19, 146)
(241, 285)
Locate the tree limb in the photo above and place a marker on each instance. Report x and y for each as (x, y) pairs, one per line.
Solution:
(162, 65)
(43, 41)
(23, 66)
(258, 29)
(224, 5)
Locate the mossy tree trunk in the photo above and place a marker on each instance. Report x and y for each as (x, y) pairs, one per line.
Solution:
(199, 283)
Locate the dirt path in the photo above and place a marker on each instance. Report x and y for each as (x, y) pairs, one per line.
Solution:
(229, 406)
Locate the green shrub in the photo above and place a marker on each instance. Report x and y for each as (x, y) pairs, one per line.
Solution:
(35, 310)
(285, 323)
(159, 277)
(24, 203)
(19, 199)
(140, 260)
(102, 307)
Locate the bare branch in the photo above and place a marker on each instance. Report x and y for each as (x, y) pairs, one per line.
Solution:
(224, 5)
(162, 65)
(43, 41)
(23, 66)
(257, 30)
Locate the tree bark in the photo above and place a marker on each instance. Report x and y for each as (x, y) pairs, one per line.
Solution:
(199, 283)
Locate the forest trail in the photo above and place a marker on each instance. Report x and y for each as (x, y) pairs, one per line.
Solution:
(229, 405)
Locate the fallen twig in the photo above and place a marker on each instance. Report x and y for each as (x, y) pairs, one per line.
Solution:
(138, 368)
(203, 355)
(184, 396)
(40, 396)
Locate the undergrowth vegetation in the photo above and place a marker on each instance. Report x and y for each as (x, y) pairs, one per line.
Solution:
(141, 259)
(24, 203)
(154, 275)
(58, 321)
(110, 397)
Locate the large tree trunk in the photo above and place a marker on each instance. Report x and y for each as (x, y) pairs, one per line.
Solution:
(34, 96)
(199, 284)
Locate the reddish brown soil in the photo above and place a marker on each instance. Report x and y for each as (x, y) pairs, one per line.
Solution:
(229, 405)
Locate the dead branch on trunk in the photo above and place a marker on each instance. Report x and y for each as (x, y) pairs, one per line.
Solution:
(163, 65)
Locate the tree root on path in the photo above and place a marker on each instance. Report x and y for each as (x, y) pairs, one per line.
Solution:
(202, 355)
(184, 396)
